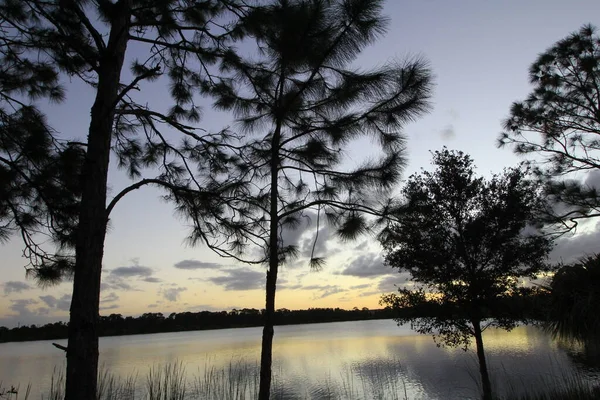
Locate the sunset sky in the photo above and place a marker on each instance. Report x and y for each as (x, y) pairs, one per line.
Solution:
(479, 52)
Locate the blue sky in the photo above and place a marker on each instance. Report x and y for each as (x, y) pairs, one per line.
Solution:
(479, 52)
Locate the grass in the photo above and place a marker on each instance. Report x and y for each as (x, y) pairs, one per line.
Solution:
(573, 387)
(239, 381)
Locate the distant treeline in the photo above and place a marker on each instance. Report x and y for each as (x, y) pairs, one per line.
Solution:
(116, 324)
(518, 307)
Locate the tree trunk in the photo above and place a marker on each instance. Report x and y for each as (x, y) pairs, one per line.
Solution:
(82, 350)
(266, 353)
(485, 377)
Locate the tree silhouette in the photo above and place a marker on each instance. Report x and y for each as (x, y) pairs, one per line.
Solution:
(39, 180)
(299, 104)
(464, 242)
(574, 294)
(88, 41)
(559, 124)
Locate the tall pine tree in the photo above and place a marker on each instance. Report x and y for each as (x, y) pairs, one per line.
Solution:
(88, 40)
(299, 104)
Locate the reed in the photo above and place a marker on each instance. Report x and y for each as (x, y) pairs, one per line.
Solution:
(239, 381)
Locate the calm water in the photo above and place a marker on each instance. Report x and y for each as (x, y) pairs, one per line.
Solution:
(370, 359)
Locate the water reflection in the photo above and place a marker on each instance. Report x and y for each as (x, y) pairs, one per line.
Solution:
(365, 359)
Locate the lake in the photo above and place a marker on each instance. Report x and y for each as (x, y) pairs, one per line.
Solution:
(362, 359)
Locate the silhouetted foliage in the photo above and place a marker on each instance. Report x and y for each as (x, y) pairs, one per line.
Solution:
(88, 41)
(559, 124)
(116, 324)
(39, 174)
(467, 243)
(299, 104)
(574, 298)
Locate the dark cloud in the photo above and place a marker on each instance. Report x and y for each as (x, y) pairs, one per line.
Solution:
(369, 265)
(362, 246)
(152, 305)
(30, 311)
(15, 287)
(323, 290)
(571, 248)
(43, 310)
(240, 279)
(132, 271)
(195, 264)
(63, 303)
(120, 278)
(114, 283)
(448, 133)
(370, 293)
(320, 246)
(21, 307)
(331, 291)
(291, 237)
(49, 300)
(288, 287)
(172, 294)
(111, 307)
(393, 282)
(109, 298)
(363, 286)
(593, 179)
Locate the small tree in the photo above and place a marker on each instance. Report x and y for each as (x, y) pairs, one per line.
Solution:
(299, 105)
(559, 123)
(463, 240)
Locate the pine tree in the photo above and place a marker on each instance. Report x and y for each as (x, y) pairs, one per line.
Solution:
(559, 124)
(88, 40)
(39, 181)
(299, 104)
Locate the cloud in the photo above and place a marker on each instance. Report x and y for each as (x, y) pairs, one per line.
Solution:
(291, 237)
(21, 307)
(63, 303)
(134, 270)
(288, 287)
(448, 133)
(571, 248)
(25, 313)
(154, 305)
(331, 291)
(363, 286)
(114, 283)
(43, 311)
(324, 290)
(240, 279)
(368, 265)
(362, 246)
(195, 264)
(111, 307)
(593, 179)
(49, 300)
(393, 282)
(15, 287)
(111, 297)
(370, 293)
(320, 247)
(116, 279)
(173, 293)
